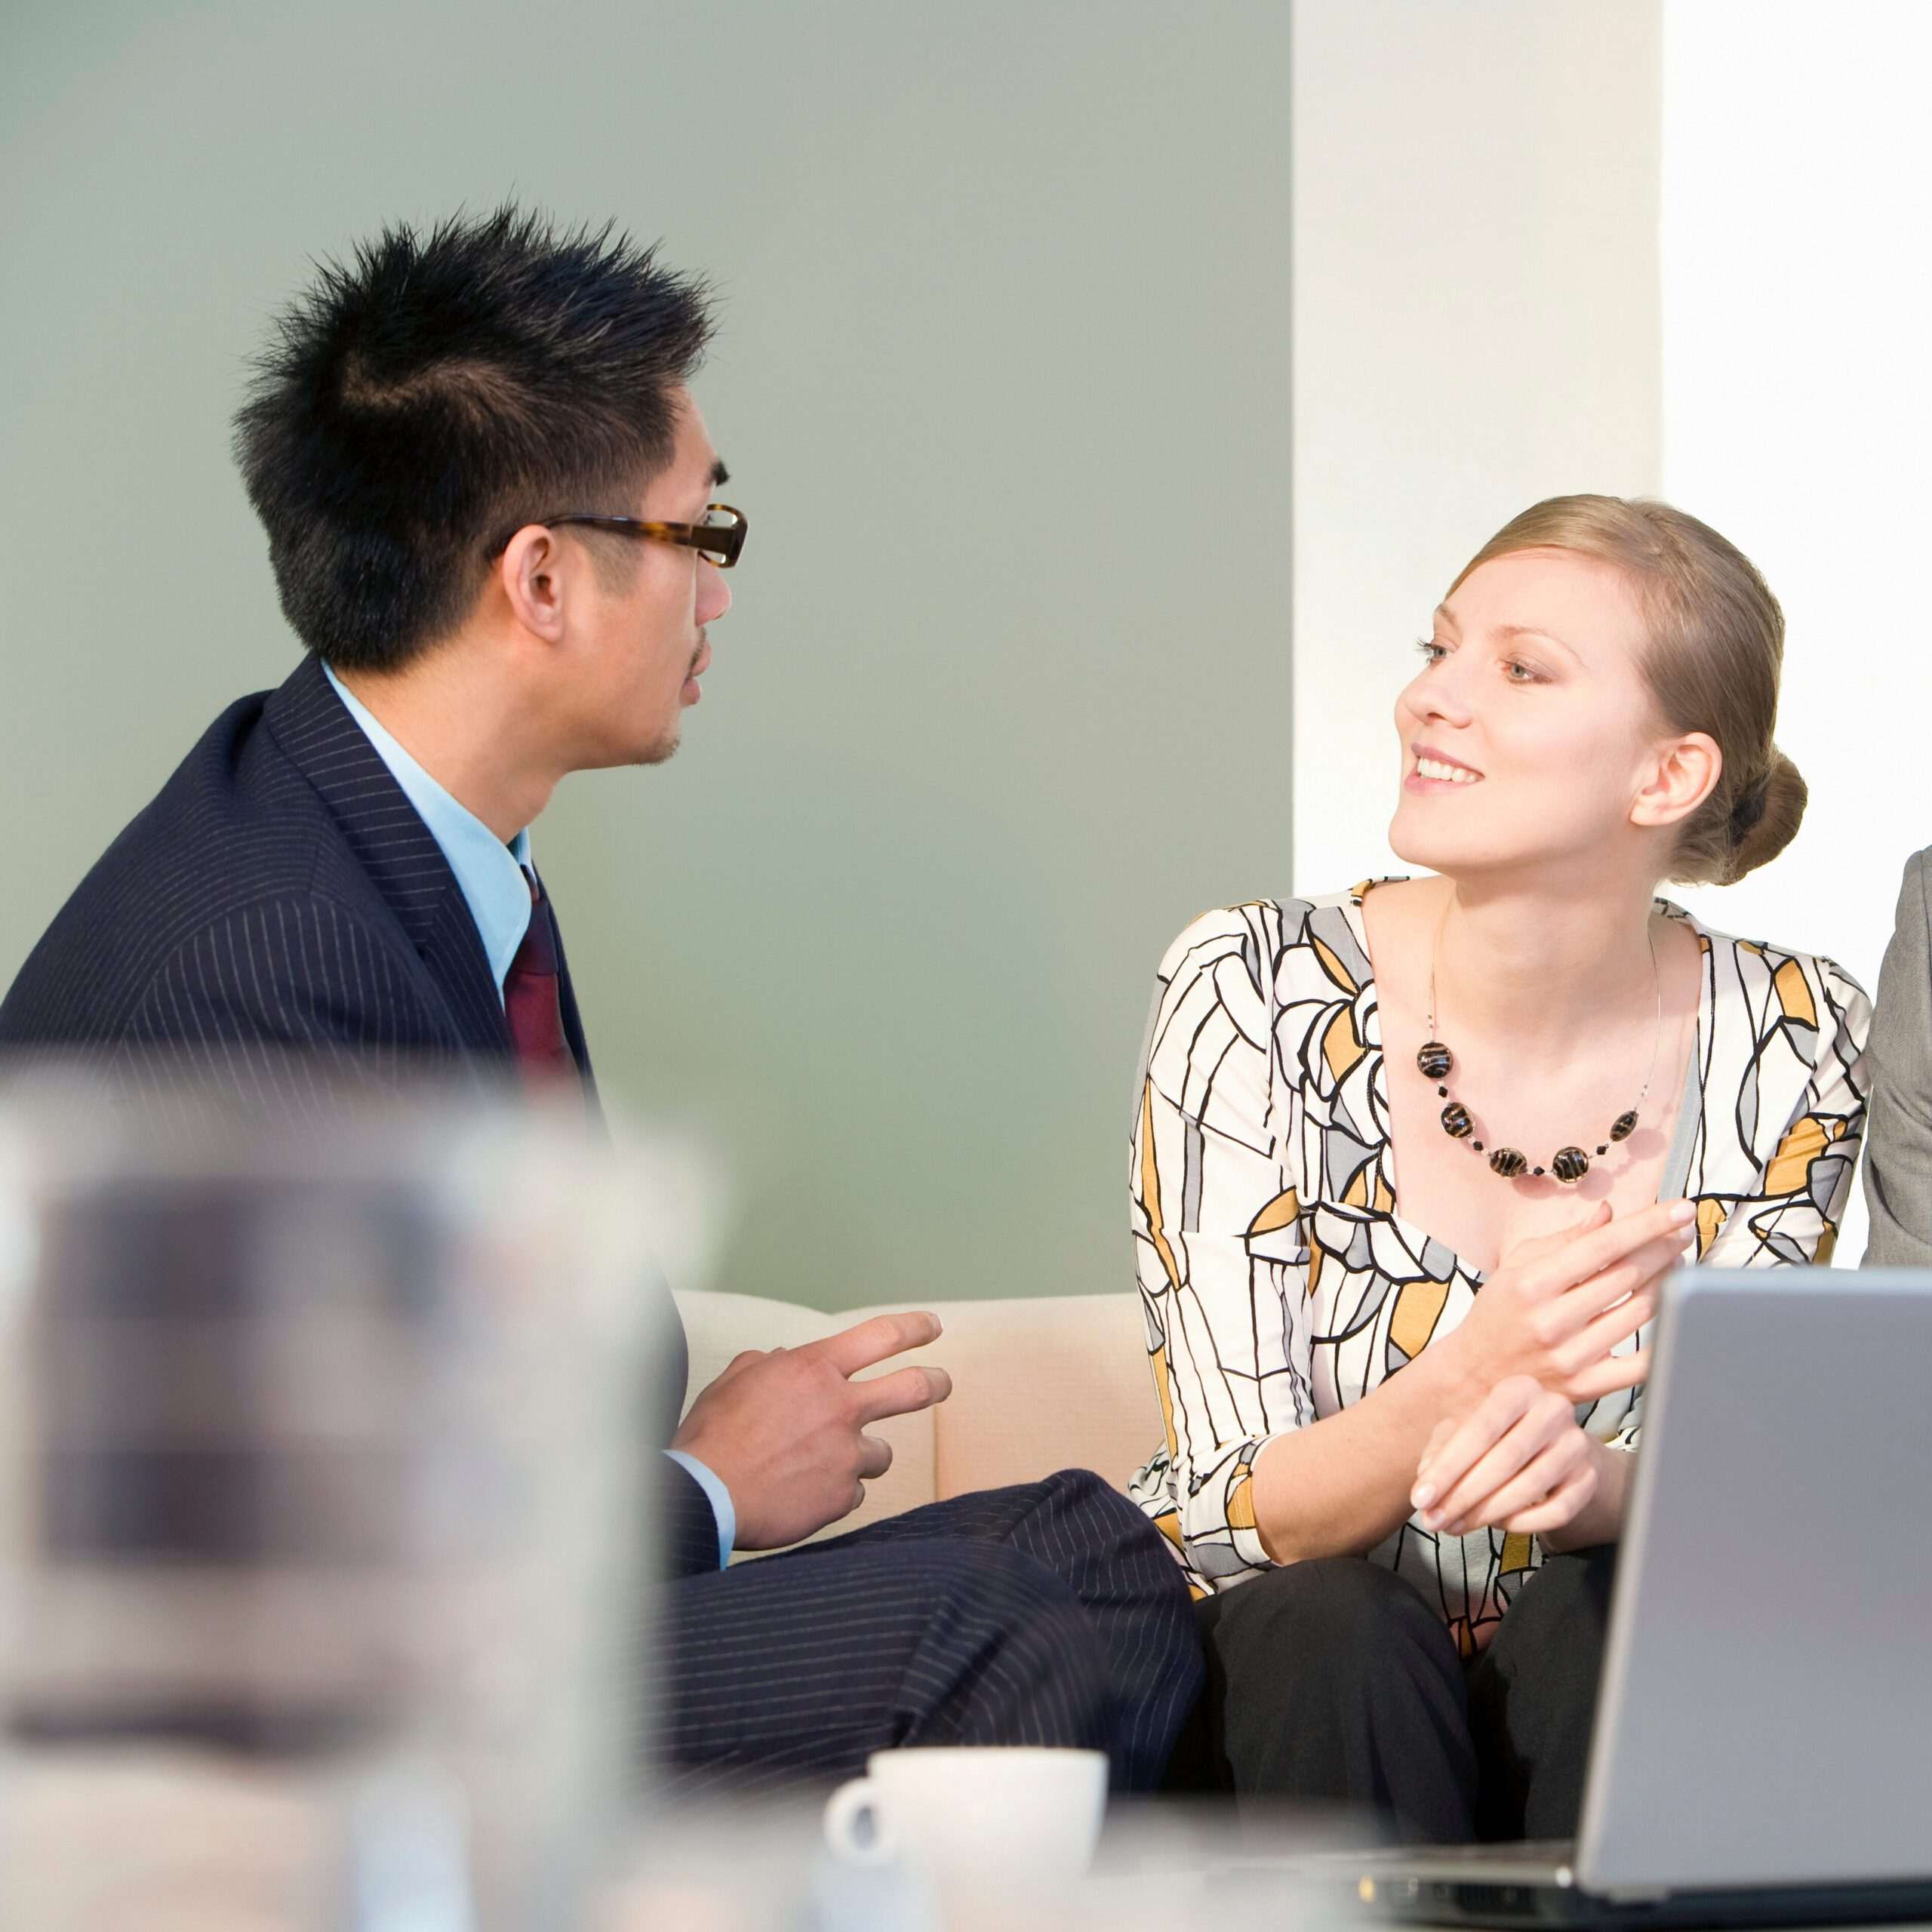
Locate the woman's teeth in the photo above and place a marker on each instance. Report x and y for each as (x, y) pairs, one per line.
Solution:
(1457, 774)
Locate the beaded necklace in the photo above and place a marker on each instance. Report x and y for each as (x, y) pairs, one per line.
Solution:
(1567, 1164)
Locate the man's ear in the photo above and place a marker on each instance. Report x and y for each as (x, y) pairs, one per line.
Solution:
(531, 573)
(1686, 773)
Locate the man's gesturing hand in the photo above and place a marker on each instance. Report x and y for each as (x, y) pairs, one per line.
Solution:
(784, 1431)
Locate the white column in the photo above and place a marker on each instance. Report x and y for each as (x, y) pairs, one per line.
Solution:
(1476, 327)
(1797, 412)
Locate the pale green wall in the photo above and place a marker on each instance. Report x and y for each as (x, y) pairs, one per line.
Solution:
(1004, 386)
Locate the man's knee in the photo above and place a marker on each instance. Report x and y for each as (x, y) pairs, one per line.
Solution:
(1018, 1641)
(1103, 1520)
(1078, 1493)
(1016, 1598)
(1082, 1489)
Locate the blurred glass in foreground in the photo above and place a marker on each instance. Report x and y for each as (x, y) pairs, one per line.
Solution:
(322, 1535)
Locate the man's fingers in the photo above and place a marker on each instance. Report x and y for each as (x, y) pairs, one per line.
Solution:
(866, 1342)
(901, 1392)
(874, 1457)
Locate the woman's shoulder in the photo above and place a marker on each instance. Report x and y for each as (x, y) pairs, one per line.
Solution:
(1278, 940)
(1764, 983)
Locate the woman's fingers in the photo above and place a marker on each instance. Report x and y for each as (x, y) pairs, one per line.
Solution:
(1466, 1503)
(1606, 1377)
(1439, 1434)
(1643, 1270)
(1491, 1444)
(1668, 1223)
(1467, 1438)
(1536, 1249)
(1565, 1315)
(1549, 1470)
(1614, 1326)
(1559, 1507)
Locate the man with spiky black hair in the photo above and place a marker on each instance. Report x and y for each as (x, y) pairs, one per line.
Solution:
(490, 503)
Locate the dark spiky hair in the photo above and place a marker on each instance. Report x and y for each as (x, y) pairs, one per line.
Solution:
(437, 390)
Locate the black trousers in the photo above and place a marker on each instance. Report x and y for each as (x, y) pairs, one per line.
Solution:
(1050, 1613)
(1335, 1681)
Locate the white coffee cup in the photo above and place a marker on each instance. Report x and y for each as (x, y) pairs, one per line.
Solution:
(991, 1817)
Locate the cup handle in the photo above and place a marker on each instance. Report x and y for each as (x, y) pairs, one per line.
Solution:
(843, 1810)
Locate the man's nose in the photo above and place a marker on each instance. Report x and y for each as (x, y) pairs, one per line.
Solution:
(714, 596)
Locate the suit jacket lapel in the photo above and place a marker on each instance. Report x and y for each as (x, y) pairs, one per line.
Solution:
(401, 857)
(394, 846)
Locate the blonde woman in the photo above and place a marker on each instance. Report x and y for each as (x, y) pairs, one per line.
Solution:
(1409, 1162)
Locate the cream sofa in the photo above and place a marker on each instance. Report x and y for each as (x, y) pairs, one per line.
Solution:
(1038, 1384)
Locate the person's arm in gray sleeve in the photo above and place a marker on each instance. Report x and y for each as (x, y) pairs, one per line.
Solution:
(1898, 1138)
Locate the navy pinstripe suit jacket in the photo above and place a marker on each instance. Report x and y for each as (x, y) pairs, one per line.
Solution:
(281, 895)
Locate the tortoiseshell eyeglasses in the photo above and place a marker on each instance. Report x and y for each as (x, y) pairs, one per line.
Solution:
(718, 539)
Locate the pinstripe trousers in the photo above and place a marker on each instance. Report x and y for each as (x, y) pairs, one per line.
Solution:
(1050, 1612)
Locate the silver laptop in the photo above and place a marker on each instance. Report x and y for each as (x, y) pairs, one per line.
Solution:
(1763, 1748)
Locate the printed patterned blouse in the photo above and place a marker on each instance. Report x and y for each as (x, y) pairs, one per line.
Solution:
(1281, 1284)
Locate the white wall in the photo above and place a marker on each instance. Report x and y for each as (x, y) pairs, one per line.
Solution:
(1006, 295)
(1476, 327)
(1677, 247)
(1798, 415)
(1797, 412)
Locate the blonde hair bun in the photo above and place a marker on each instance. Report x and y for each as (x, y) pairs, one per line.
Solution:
(1767, 818)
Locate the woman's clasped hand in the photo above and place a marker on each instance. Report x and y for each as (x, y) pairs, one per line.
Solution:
(1538, 1341)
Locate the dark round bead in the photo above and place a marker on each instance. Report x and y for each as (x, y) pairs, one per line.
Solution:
(1507, 1162)
(1624, 1125)
(1570, 1164)
(1456, 1121)
(1435, 1060)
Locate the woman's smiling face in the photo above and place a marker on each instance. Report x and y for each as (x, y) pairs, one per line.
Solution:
(1531, 727)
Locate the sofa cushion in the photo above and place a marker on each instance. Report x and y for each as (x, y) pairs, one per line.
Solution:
(1047, 1383)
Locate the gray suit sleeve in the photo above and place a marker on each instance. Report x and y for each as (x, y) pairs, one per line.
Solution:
(1898, 1141)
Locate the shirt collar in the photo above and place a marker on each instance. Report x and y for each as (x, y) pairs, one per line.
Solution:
(489, 873)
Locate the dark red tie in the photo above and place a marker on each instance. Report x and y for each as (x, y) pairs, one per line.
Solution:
(532, 1003)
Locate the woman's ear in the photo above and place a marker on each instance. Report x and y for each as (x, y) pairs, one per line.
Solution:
(1685, 774)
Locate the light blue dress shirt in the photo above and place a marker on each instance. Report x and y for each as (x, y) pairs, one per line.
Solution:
(491, 878)
(490, 872)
